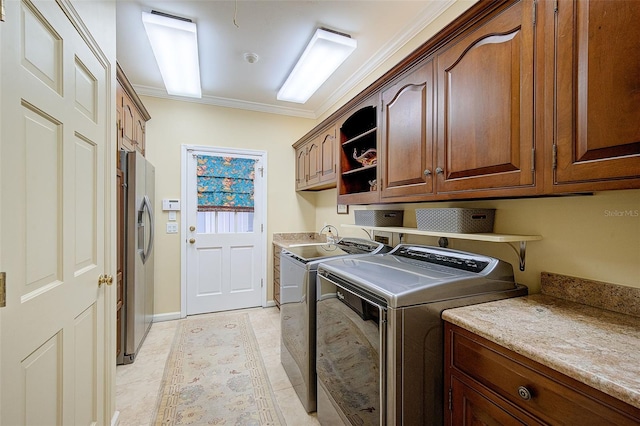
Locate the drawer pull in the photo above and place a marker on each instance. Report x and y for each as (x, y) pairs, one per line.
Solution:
(524, 393)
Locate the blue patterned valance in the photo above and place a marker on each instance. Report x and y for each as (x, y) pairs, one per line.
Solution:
(225, 183)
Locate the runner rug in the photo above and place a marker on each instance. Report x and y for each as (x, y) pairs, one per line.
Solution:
(215, 375)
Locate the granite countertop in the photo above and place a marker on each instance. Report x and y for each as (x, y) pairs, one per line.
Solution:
(290, 238)
(595, 346)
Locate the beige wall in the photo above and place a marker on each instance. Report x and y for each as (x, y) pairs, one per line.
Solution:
(175, 123)
(583, 236)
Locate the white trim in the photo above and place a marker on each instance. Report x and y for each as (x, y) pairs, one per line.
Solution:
(269, 304)
(169, 316)
(214, 150)
(115, 420)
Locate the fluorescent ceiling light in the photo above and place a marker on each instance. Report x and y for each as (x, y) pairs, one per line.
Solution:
(175, 45)
(324, 54)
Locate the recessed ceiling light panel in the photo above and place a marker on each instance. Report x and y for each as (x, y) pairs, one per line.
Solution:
(325, 52)
(175, 45)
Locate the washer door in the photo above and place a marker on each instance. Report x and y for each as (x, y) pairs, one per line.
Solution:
(350, 364)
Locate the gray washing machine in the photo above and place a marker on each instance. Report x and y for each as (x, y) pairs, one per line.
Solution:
(298, 267)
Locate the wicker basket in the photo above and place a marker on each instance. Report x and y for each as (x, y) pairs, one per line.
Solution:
(379, 217)
(466, 221)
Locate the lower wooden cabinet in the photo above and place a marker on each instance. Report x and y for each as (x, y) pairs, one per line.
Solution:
(489, 384)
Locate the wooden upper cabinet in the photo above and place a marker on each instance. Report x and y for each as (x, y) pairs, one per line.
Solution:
(407, 142)
(486, 85)
(316, 161)
(131, 114)
(596, 108)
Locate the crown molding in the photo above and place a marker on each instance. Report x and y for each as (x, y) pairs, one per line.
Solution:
(227, 103)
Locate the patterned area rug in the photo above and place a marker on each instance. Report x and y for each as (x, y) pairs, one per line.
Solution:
(215, 376)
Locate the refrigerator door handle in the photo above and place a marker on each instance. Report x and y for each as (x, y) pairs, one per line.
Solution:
(146, 204)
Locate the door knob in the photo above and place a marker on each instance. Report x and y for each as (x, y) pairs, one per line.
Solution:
(105, 279)
(192, 240)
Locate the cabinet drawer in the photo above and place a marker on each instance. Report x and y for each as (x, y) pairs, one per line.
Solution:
(536, 389)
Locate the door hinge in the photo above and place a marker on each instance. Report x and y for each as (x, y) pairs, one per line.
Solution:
(3, 289)
(262, 227)
(554, 153)
(261, 282)
(534, 12)
(450, 398)
(261, 171)
(2, 13)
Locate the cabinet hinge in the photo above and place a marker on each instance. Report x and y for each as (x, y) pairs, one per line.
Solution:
(534, 12)
(554, 153)
(555, 6)
(450, 399)
(3, 289)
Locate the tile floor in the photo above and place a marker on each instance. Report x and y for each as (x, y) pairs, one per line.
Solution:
(138, 384)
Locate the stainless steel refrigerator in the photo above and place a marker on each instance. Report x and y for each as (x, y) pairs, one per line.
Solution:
(139, 178)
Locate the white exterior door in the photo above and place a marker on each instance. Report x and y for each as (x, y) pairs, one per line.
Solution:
(53, 139)
(224, 248)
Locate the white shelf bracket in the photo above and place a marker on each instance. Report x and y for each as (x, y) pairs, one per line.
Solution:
(521, 252)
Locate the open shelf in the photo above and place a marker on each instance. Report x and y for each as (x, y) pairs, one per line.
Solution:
(494, 238)
(360, 137)
(360, 169)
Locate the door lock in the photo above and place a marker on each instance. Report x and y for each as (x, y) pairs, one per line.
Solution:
(192, 228)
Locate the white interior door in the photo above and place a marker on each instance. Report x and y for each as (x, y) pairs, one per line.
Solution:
(52, 182)
(224, 248)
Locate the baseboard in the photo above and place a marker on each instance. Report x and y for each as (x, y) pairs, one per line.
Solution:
(170, 316)
(270, 304)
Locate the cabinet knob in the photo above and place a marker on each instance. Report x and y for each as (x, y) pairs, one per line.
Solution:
(439, 170)
(427, 172)
(524, 393)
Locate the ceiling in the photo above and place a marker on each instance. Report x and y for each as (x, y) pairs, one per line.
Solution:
(277, 31)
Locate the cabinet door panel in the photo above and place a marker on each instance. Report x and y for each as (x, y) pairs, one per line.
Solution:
(597, 88)
(472, 408)
(407, 136)
(328, 152)
(486, 106)
(128, 124)
(140, 133)
(301, 168)
(313, 159)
